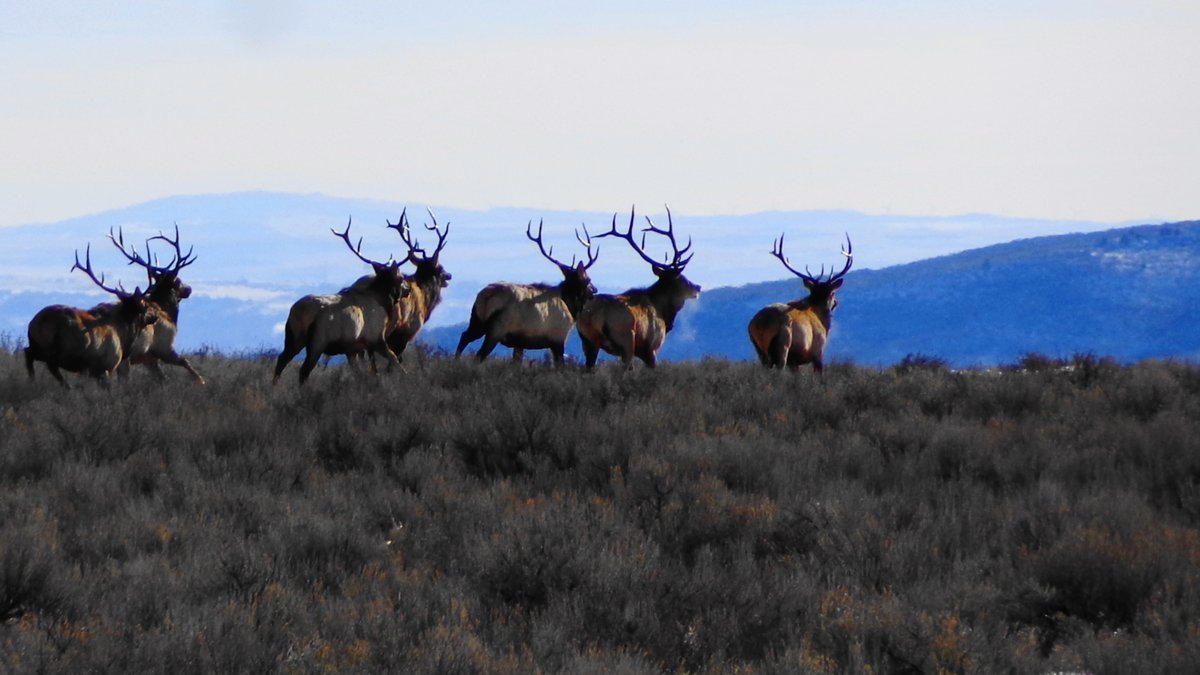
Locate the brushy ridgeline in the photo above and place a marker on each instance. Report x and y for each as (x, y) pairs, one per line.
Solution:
(707, 517)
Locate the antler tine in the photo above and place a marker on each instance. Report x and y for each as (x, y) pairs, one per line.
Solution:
(134, 257)
(849, 253)
(677, 261)
(357, 250)
(586, 240)
(440, 235)
(777, 251)
(548, 255)
(181, 261)
(401, 222)
(86, 268)
(628, 236)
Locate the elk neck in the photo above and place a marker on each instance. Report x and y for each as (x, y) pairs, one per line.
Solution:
(816, 307)
(668, 295)
(429, 286)
(575, 295)
(166, 295)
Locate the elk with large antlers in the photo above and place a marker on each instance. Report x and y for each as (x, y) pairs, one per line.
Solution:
(795, 333)
(532, 316)
(636, 322)
(426, 284)
(157, 342)
(79, 340)
(357, 318)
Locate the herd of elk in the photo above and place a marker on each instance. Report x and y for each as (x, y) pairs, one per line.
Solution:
(532, 316)
(795, 333)
(93, 341)
(636, 322)
(358, 317)
(384, 311)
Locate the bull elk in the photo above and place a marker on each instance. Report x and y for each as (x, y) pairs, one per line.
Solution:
(425, 283)
(356, 318)
(157, 342)
(795, 333)
(636, 322)
(532, 316)
(79, 340)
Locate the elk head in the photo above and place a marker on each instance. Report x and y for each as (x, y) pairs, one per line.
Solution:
(576, 283)
(132, 306)
(428, 268)
(671, 283)
(165, 285)
(387, 275)
(820, 290)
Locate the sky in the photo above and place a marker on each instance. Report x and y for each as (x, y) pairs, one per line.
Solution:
(1067, 110)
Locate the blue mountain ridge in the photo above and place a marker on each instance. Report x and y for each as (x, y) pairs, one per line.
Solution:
(1132, 293)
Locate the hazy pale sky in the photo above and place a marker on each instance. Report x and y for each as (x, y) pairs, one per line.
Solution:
(1083, 110)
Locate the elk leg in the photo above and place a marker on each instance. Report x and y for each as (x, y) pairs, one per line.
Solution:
(176, 360)
(474, 331)
(290, 350)
(779, 348)
(485, 350)
(397, 345)
(311, 358)
(29, 359)
(590, 350)
(557, 351)
(392, 359)
(57, 375)
(518, 355)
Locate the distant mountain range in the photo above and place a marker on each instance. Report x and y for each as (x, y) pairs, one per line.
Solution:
(1130, 292)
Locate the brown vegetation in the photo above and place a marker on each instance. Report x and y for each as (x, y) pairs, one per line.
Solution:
(706, 518)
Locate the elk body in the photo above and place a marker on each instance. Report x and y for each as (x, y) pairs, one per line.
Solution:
(84, 341)
(636, 322)
(156, 343)
(356, 319)
(425, 284)
(795, 333)
(531, 316)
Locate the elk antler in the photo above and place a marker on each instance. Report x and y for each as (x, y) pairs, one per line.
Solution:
(86, 268)
(807, 275)
(357, 250)
(677, 263)
(153, 269)
(414, 248)
(549, 255)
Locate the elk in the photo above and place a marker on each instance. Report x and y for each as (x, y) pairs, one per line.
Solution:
(157, 342)
(636, 322)
(795, 333)
(80, 340)
(425, 283)
(532, 316)
(358, 317)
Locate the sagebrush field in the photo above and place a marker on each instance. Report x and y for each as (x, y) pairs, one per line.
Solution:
(707, 517)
